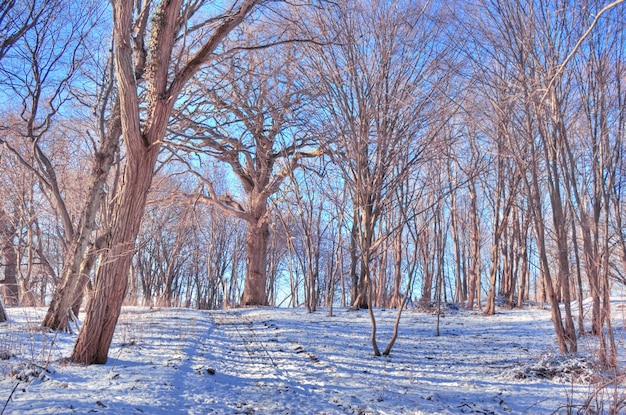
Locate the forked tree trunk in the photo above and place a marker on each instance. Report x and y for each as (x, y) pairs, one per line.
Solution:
(143, 148)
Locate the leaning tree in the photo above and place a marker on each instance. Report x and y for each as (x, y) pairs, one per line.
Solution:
(159, 48)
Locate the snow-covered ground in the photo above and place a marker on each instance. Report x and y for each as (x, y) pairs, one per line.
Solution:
(285, 361)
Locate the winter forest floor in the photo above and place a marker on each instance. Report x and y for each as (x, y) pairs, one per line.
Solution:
(285, 361)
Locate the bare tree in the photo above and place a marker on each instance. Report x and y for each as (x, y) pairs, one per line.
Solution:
(591, 140)
(525, 44)
(54, 55)
(304, 207)
(78, 262)
(380, 85)
(253, 122)
(151, 56)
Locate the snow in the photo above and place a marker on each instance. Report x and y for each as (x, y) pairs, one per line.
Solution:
(286, 361)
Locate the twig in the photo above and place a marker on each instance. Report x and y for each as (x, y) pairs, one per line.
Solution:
(577, 45)
(9, 398)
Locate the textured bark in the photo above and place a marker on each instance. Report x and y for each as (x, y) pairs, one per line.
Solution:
(103, 310)
(10, 290)
(256, 270)
(68, 297)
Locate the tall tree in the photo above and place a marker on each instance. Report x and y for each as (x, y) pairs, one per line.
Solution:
(253, 121)
(78, 259)
(42, 53)
(154, 62)
(54, 54)
(526, 43)
(380, 81)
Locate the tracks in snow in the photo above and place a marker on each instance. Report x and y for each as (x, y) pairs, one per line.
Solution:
(263, 345)
(264, 357)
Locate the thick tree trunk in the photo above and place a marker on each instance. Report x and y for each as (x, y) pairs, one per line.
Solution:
(10, 291)
(143, 136)
(104, 309)
(256, 262)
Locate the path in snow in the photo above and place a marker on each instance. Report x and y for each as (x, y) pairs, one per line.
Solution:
(284, 361)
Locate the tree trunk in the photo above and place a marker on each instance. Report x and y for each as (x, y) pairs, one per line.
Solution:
(396, 296)
(256, 263)
(3, 314)
(459, 293)
(500, 222)
(354, 261)
(579, 280)
(104, 309)
(566, 344)
(74, 276)
(428, 264)
(69, 296)
(490, 307)
(473, 289)
(10, 291)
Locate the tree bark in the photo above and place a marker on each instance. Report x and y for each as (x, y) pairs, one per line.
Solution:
(143, 148)
(10, 290)
(103, 310)
(143, 137)
(256, 272)
(3, 314)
